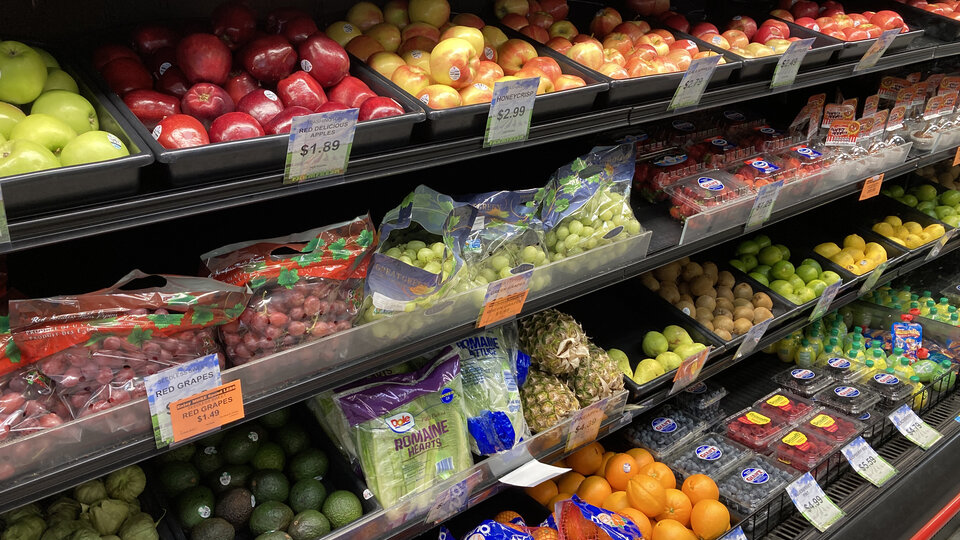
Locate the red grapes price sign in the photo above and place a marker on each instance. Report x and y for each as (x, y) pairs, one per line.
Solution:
(319, 145)
(510, 112)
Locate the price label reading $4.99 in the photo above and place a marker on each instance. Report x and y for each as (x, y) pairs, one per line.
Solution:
(319, 145)
(510, 112)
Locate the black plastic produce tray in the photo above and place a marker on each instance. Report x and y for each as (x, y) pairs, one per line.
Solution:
(854, 50)
(66, 187)
(216, 161)
(933, 25)
(877, 208)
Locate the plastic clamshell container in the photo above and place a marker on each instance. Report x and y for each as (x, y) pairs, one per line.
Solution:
(702, 399)
(720, 151)
(709, 202)
(891, 387)
(810, 171)
(833, 427)
(752, 428)
(851, 398)
(802, 448)
(841, 369)
(664, 430)
(747, 487)
(784, 406)
(710, 454)
(654, 172)
(804, 381)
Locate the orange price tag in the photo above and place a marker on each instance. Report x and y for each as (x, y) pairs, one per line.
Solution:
(504, 299)
(871, 186)
(956, 157)
(207, 410)
(689, 370)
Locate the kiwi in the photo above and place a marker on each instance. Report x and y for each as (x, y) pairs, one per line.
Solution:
(739, 302)
(706, 324)
(704, 313)
(684, 261)
(649, 281)
(668, 272)
(723, 334)
(723, 322)
(706, 301)
(710, 269)
(686, 297)
(761, 314)
(725, 292)
(722, 312)
(741, 326)
(743, 290)
(701, 286)
(683, 287)
(725, 304)
(670, 294)
(763, 300)
(725, 279)
(687, 307)
(691, 271)
(743, 312)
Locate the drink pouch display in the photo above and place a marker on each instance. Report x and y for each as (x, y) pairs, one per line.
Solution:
(586, 203)
(409, 431)
(97, 347)
(418, 256)
(10, 358)
(305, 286)
(578, 520)
(28, 403)
(907, 335)
(491, 393)
(652, 173)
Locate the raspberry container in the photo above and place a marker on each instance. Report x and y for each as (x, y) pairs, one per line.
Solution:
(710, 454)
(754, 429)
(784, 406)
(721, 150)
(768, 139)
(849, 398)
(709, 202)
(749, 486)
(664, 430)
(802, 449)
(804, 381)
(763, 169)
(656, 171)
(833, 427)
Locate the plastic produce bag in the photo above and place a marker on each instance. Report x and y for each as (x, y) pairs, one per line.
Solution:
(492, 396)
(577, 520)
(28, 404)
(97, 347)
(492, 530)
(409, 428)
(10, 359)
(305, 286)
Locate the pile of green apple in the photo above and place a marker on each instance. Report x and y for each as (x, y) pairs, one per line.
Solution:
(925, 198)
(770, 264)
(61, 128)
(665, 351)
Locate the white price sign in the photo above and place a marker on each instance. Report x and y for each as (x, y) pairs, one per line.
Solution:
(510, 112)
(873, 54)
(913, 428)
(319, 145)
(174, 384)
(938, 247)
(873, 278)
(763, 204)
(868, 464)
(789, 64)
(813, 503)
(694, 82)
(825, 300)
(752, 338)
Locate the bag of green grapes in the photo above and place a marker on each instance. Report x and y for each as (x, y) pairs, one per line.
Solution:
(586, 203)
(501, 237)
(409, 430)
(418, 256)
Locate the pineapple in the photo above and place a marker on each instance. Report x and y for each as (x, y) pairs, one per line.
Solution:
(554, 340)
(598, 377)
(546, 400)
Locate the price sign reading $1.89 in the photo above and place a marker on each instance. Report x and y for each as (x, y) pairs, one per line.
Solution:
(510, 112)
(319, 145)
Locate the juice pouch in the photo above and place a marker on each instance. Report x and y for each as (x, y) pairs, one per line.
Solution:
(28, 403)
(586, 203)
(409, 430)
(10, 359)
(577, 520)
(305, 286)
(418, 256)
(907, 335)
(492, 396)
(97, 347)
(492, 530)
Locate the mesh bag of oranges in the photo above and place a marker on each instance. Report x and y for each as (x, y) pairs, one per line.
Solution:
(577, 520)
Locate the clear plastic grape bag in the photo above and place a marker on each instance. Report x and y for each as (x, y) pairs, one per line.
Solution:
(29, 404)
(305, 286)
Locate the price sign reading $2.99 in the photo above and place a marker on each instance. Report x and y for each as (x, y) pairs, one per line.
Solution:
(510, 111)
(319, 145)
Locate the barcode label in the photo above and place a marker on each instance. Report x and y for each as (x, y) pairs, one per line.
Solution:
(445, 465)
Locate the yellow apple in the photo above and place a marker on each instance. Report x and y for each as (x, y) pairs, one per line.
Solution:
(410, 79)
(439, 96)
(385, 63)
(468, 33)
(364, 15)
(342, 32)
(395, 13)
(454, 62)
(418, 58)
(494, 36)
(435, 12)
(388, 35)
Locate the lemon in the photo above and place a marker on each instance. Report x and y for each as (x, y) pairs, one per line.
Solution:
(852, 268)
(854, 241)
(866, 265)
(935, 230)
(896, 240)
(828, 249)
(913, 241)
(901, 232)
(856, 253)
(873, 246)
(883, 228)
(894, 221)
(913, 227)
(843, 259)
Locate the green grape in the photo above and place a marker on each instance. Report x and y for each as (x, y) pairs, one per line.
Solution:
(574, 226)
(587, 232)
(561, 247)
(487, 275)
(394, 252)
(550, 238)
(426, 255)
(438, 248)
(480, 280)
(530, 254)
(571, 240)
(556, 256)
(562, 232)
(606, 216)
(416, 245)
(541, 257)
(433, 267)
(505, 273)
(448, 265)
(576, 250)
(499, 262)
(407, 260)
(633, 226)
(410, 254)
(591, 243)
(617, 220)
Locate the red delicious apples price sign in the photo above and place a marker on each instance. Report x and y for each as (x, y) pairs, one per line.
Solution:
(694, 82)
(789, 64)
(319, 145)
(510, 112)
(873, 54)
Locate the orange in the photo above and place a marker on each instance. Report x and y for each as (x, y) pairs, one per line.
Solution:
(616, 501)
(646, 495)
(620, 469)
(510, 519)
(560, 497)
(586, 460)
(641, 455)
(709, 519)
(594, 490)
(678, 507)
(641, 521)
(568, 482)
(543, 492)
(545, 533)
(671, 529)
(699, 487)
(661, 472)
(601, 470)
(560, 463)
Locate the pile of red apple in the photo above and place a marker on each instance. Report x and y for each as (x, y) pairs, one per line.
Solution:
(830, 18)
(619, 49)
(232, 80)
(442, 62)
(947, 9)
(741, 36)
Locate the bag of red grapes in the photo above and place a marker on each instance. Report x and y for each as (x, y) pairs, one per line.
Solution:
(305, 286)
(97, 347)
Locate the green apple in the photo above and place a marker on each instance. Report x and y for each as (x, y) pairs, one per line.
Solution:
(58, 79)
(909, 200)
(806, 294)
(896, 191)
(9, 116)
(73, 109)
(808, 273)
(796, 282)
(818, 286)
(770, 255)
(950, 197)
(924, 192)
(762, 240)
(20, 157)
(762, 269)
(944, 211)
(48, 59)
(923, 206)
(749, 262)
(784, 250)
(43, 129)
(94, 146)
(738, 265)
(22, 73)
(829, 277)
(748, 247)
(782, 270)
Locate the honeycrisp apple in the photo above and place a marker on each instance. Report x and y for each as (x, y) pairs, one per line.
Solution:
(410, 79)
(22, 73)
(454, 62)
(514, 53)
(73, 109)
(44, 130)
(21, 157)
(439, 96)
(92, 146)
(468, 33)
(435, 12)
(385, 63)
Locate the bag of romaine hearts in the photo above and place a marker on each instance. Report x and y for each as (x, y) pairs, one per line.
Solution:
(97, 347)
(305, 286)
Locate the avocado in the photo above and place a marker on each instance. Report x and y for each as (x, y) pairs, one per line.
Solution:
(311, 463)
(274, 535)
(235, 506)
(292, 438)
(269, 485)
(194, 505)
(231, 476)
(207, 460)
(213, 529)
(275, 419)
(270, 516)
(307, 494)
(308, 525)
(180, 453)
(240, 445)
(177, 476)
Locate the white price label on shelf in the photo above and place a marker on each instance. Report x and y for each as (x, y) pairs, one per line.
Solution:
(694, 82)
(174, 384)
(319, 145)
(873, 54)
(763, 204)
(510, 112)
(752, 338)
(868, 464)
(823, 305)
(913, 428)
(873, 278)
(532, 473)
(938, 246)
(813, 503)
(789, 64)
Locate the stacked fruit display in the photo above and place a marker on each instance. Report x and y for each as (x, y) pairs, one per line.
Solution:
(712, 297)
(741, 36)
(62, 127)
(770, 264)
(856, 255)
(185, 88)
(925, 198)
(263, 477)
(567, 371)
(908, 233)
(665, 351)
(946, 9)
(830, 18)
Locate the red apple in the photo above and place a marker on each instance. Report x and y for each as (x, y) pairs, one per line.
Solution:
(703, 28)
(657, 43)
(558, 8)
(805, 8)
(148, 38)
(515, 21)
(832, 12)
(736, 38)
(180, 131)
(277, 19)
(235, 126)
(150, 106)
(807, 22)
(887, 19)
(351, 91)
(363, 47)
(541, 19)
(584, 38)
(103, 54)
(618, 42)
(831, 4)
(487, 73)
(686, 45)
(853, 33)
(604, 21)
(649, 7)
(379, 107)
(766, 33)
(559, 44)
(663, 33)
(468, 19)
(204, 58)
(678, 22)
(234, 23)
(826, 24)
(261, 104)
(412, 79)
(281, 122)
(586, 53)
(516, 52)
(416, 43)
(549, 66)
(173, 82)
(126, 74)
(269, 59)
(858, 19)
(420, 29)
(324, 59)
(535, 33)
(744, 24)
(205, 102)
(364, 15)
(779, 25)
(240, 84)
(301, 89)
(332, 106)
(644, 52)
(631, 30)
(387, 35)
(160, 61)
(680, 57)
(299, 29)
(782, 14)
(713, 39)
(565, 82)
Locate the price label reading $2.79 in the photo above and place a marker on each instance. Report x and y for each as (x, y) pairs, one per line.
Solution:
(510, 112)
(694, 82)
(319, 145)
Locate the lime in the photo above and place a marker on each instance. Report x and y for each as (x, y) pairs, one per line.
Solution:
(760, 278)
(784, 250)
(813, 263)
(782, 270)
(895, 191)
(923, 206)
(762, 269)
(770, 255)
(807, 273)
(817, 285)
(950, 197)
(796, 282)
(781, 287)
(269, 456)
(749, 262)
(762, 240)
(748, 247)
(925, 192)
(738, 265)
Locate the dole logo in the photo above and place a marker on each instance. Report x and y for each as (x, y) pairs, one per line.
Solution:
(401, 423)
